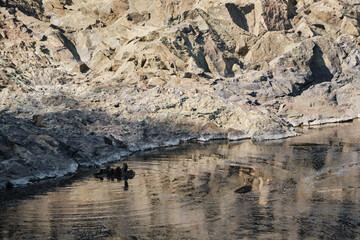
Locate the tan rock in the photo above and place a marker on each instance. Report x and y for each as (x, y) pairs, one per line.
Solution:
(350, 26)
(327, 12)
(119, 7)
(270, 46)
(304, 30)
(156, 81)
(276, 15)
(81, 67)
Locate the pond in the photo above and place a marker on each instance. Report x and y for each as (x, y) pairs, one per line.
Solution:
(302, 187)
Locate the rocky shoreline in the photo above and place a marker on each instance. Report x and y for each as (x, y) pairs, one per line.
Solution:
(34, 152)
(43, 154)
(85, 83)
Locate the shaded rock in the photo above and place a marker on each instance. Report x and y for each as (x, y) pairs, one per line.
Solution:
(82, 67)
(244, 189)
(352, 62)
(276, 15)
(30, 7)
(37, 119)
(137, 17)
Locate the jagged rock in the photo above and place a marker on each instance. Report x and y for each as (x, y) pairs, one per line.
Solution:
(327, 12)
(38, 119)
(350, 26)
(276, 15)
(30, 7)
(304, 30)
(351, 64)
(346, 42)
(137, 17)
(270, 46)
(83, 68)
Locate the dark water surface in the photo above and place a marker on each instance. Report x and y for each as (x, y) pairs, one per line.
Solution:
(306, 187)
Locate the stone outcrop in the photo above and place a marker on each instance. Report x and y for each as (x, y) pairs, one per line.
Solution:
(82, 83)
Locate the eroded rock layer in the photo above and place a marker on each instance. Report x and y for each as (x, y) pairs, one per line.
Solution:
(85, 82)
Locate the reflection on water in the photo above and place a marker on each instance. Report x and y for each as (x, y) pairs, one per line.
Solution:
(304, 187)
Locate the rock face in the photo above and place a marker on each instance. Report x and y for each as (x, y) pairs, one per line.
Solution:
(85, 82)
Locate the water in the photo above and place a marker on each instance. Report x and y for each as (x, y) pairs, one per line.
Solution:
(306, 187)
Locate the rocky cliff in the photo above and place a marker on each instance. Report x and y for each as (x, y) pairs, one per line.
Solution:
(83, 82)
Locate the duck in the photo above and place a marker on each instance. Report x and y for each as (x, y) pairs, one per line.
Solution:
(127, 173)
(110, 173)
(130, 174)
(102, 172)
(119, 173)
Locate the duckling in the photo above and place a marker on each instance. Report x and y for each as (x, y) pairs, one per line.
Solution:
(107, 170)
(127, 173)
(130, 174)
(124, 168)
(118, 173)
(100, 174)
(110, 173)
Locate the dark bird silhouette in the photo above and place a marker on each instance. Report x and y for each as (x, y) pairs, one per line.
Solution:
(127, 173)
(118, 173)
(130, 174)
(102, 172)
(124, 168)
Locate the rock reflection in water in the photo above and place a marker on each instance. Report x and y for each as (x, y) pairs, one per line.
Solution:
(305, 187)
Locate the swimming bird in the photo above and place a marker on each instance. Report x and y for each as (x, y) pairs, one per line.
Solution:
(119, 173)
(124, 168)
(127, 173)
(102, 172)
(130, 174)
(110, 173)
